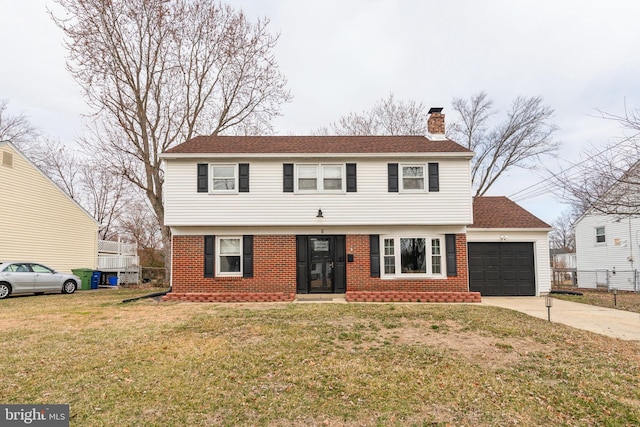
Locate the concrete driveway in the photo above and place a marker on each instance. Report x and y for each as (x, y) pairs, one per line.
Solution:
(605, 321)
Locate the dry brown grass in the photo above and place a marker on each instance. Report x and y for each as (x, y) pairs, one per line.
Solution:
(277, 364)
(629, 301)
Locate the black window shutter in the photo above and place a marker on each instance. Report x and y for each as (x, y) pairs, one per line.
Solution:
(352, 180)
(287, 177)
(203, 177)
(434, 177)
(209, 256)
(450, 244)
(247, 256)
(243, 172)
(374, 255)
(393, 177)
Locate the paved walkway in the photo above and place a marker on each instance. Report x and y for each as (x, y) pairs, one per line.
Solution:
(605, 321)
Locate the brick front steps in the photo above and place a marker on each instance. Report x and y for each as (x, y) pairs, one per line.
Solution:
(390, 296)
(359, 296)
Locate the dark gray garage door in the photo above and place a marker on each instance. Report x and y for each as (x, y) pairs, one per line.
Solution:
(502, 269)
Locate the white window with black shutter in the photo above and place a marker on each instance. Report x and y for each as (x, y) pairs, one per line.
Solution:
(413, 177)
(223, 178)
(228, 256)
(412, 256)
(319, 178)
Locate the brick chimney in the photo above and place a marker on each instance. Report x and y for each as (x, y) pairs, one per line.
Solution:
(435, 124)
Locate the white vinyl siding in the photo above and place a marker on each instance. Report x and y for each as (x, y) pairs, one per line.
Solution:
(268, 205)
(39, 223)
(621, 250)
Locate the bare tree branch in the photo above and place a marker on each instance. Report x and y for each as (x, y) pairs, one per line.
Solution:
(159, 72)
(16, 128)
(563, 236)
(521, 140)
(607, 180)
(387, 117)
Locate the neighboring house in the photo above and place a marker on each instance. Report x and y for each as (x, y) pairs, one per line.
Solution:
(38, 221)
(560, 258)
(608, 251)
(374, 217)
(508, 249)
(118, 261)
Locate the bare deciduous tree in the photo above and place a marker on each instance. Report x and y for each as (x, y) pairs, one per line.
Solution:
(87, 179)
(563, 236)
(518, 141)
(606, 181)
(159, 72)
(387, 117)
(16, 127)
(138, 223)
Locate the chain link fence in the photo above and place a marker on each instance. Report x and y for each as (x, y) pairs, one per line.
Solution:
(622, 280)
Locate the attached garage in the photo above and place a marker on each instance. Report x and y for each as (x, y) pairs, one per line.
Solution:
(498, 269)
(507, 250)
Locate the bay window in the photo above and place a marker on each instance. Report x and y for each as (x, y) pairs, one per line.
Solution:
(412, 256)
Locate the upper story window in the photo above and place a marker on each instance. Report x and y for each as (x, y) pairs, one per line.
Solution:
(416, 178)
(320, 178)
(413, 177)
(419, 256)
(600, 236)
(224, 178)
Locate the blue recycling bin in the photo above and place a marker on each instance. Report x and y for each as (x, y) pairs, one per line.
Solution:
(95, 279)
(113, 281)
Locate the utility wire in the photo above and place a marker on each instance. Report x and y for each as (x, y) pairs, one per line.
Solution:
(532, 190)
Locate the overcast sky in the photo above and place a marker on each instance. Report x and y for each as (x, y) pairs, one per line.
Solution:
(343, 56)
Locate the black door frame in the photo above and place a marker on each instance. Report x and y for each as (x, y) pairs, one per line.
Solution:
(303, 262)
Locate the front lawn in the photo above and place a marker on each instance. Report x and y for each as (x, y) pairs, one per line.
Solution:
(199, 364)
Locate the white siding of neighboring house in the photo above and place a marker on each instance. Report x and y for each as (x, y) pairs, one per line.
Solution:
(620, 251)
(540, 240)
(39, 222)
(267, 205)
(566, 260)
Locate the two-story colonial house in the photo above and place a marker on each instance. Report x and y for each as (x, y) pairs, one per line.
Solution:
(264, 218)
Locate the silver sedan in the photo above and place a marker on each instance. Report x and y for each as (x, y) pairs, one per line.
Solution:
(30, 278)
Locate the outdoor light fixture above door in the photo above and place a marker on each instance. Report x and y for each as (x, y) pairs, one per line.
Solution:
(319, 214)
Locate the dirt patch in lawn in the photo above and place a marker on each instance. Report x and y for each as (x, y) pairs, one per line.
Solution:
(471, 346)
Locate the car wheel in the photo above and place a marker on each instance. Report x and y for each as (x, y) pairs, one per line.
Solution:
(5, 290)
(69, 287)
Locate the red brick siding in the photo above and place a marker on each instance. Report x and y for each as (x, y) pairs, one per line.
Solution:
(359, 276)
(274, 267)
(275, 275)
